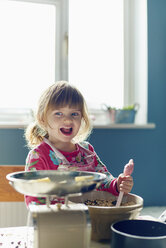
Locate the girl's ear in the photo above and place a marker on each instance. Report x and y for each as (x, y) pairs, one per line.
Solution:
(43, 128)
(42, 122)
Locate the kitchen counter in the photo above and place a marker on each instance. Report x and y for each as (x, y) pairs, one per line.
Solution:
(22, 237)
(17, 237)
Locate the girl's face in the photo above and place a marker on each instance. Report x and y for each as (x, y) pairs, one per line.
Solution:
(63, 124)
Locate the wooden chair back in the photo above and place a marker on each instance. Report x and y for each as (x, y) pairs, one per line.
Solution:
(7, 192)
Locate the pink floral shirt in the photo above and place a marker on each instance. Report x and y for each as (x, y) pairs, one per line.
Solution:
(84, 158)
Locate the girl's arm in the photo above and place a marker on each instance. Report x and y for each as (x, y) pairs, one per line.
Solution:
(35, 161)
(110, 183)
(114, 185)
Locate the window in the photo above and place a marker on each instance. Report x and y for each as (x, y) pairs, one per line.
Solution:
(107, 51)
(96, 50)
(31, 49)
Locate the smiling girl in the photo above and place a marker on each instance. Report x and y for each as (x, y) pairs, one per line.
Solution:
(57, 139)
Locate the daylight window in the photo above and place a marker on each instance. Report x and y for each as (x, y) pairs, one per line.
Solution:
(27, 48)
(108, 52)
(96, 51)
(100, 46)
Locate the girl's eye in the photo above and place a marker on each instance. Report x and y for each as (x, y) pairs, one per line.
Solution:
(75, 114)
(59, 114)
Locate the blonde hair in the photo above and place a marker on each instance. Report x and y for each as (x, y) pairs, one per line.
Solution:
(58, 95)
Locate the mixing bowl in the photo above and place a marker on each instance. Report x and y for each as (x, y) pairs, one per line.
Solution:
(103, 217)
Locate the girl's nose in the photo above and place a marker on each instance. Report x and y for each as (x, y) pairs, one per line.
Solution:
(67, 119)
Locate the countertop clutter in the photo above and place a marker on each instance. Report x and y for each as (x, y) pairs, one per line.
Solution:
(22, 237)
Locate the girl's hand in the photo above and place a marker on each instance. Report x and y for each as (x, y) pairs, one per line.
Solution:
(124, 183)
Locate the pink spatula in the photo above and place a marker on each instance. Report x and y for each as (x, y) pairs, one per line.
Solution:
(128, 169)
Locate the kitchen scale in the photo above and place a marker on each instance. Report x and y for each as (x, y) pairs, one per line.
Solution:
(60, 225)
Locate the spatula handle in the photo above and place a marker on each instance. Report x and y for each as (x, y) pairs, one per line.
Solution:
(118, 203)
(128, 169)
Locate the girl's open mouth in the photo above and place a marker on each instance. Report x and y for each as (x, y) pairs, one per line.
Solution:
(66, 131)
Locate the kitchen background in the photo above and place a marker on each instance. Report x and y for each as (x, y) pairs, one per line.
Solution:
(116, 146)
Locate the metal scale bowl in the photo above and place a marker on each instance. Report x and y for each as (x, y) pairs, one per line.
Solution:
(60, 225)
